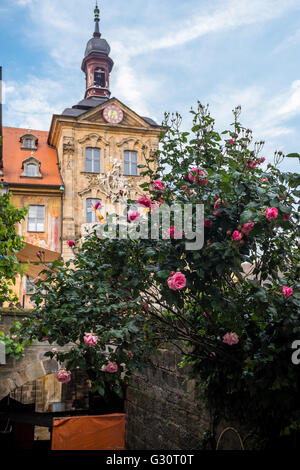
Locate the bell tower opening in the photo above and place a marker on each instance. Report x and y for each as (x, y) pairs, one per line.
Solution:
(99, 77)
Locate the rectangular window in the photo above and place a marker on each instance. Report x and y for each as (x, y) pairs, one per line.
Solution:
(130, 163)
(90, 213)
(31, 170)
(36, 219)
(30, 286)
(92, 160)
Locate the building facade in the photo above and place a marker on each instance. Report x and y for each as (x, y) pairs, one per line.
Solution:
(100, 143)
(91, 153)
(30, 167)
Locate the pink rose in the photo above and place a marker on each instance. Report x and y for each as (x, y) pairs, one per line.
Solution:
(247, 227)
(172, 233)
(262, 160)
(230, 141)
(286, 216)
(133, 215)
(63, 375)
(265, 180)
(252, 164)
(271, 213)
(217, 203)
(98, 205)
(144, 201)
(207, 223)
(159, 185)
(112, 368)
(90, 339)
(230, 338)
(237, 235)
(287, 291)
(198, 176)
(177, 281)
(70, 243)
(129, 354)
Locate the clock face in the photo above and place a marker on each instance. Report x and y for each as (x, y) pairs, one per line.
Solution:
(113, 114)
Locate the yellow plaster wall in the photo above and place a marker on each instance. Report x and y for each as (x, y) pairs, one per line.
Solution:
(72, 138)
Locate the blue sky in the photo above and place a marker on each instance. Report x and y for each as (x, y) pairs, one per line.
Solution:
(168, 54)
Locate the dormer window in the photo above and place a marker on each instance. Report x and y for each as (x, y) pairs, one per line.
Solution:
(29, 142)
(31, 167)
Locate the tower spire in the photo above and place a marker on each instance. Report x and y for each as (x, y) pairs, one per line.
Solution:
(97, 64)
(97, 20)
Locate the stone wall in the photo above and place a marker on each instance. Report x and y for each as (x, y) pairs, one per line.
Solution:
(165, 412)
(162, 410)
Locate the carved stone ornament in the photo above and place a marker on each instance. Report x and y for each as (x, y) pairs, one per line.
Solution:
(113, 181)
(68, 145)
(110, 183)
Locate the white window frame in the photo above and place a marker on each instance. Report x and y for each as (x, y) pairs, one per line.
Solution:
(31, 165)
(94, 151)
(36, 223)
(130, 163)
(89, 210)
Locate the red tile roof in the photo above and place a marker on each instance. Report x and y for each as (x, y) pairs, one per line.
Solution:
(13, 157)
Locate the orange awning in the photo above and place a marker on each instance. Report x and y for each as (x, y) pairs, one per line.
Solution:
(106, 432)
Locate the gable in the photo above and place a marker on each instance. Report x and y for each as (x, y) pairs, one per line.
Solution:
(130, 118)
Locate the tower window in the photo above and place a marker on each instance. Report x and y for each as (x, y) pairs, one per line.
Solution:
(99, 77)
(36, 219)
(90, 213)
(130, 163)
(92, 160)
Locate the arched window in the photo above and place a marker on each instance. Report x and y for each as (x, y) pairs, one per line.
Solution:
(90, 213)
(99, 77)
(92, 160)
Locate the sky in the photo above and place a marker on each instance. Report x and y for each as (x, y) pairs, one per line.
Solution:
(168, 54)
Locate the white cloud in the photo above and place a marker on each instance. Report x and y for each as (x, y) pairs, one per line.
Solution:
(24, 2)
(291, 40)
(31, 104)
(225, 17)
(268, 116)
(63, 27)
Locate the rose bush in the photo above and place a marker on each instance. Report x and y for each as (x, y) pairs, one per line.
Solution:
(10, 243)
(231, 307)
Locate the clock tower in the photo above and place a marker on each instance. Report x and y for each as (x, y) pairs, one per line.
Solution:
(101, 144)
(97, 64)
